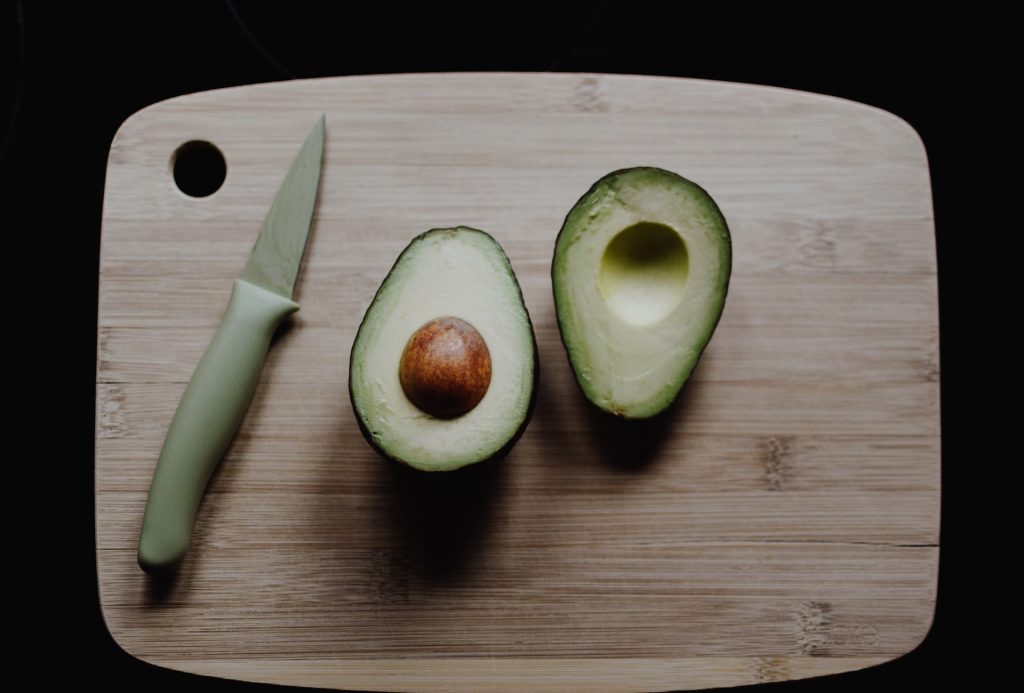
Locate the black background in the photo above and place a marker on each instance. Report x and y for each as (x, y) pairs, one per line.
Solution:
(70, 74)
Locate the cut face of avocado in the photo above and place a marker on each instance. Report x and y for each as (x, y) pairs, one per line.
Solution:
(640, 274)
(444, 364)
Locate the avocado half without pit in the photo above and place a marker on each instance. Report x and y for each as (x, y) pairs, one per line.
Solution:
(640, 275)
(444, 365)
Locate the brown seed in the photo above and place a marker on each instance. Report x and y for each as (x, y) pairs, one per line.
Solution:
(446, 368)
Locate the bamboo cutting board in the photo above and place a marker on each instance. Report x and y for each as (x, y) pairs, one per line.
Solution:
(780, 522)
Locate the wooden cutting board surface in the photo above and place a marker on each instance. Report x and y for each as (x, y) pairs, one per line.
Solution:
(780, 522)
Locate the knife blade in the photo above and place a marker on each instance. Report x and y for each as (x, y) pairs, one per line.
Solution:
(218, 394)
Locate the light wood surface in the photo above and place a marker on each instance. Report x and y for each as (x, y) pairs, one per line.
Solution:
(780, 522)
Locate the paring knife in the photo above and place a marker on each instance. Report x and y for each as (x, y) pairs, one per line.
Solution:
(217, 396)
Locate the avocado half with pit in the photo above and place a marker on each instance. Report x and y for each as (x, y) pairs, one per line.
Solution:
(444, 365)
(640, 274)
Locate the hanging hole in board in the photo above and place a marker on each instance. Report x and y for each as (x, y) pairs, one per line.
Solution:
(199, 168)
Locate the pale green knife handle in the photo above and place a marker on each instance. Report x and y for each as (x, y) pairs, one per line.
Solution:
(207, 418)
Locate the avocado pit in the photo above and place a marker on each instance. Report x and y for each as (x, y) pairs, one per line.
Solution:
(445, 369)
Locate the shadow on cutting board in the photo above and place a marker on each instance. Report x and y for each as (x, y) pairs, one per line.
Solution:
(444, 518)
(160, 587)
(564, 417)
(633, 445)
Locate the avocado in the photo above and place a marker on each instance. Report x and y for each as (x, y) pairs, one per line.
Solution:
(444, 366)
(640, 274)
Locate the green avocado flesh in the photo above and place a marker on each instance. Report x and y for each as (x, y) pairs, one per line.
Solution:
(459, 273)
(640, 274)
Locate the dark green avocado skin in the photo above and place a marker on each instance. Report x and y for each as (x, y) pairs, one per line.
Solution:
(504, 450)
(566, 227)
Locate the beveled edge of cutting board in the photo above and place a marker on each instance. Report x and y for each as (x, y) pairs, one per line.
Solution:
(567, 77)
(555, 675)
(615, 673)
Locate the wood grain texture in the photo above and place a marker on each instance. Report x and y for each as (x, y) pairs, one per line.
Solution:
(780, 521)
